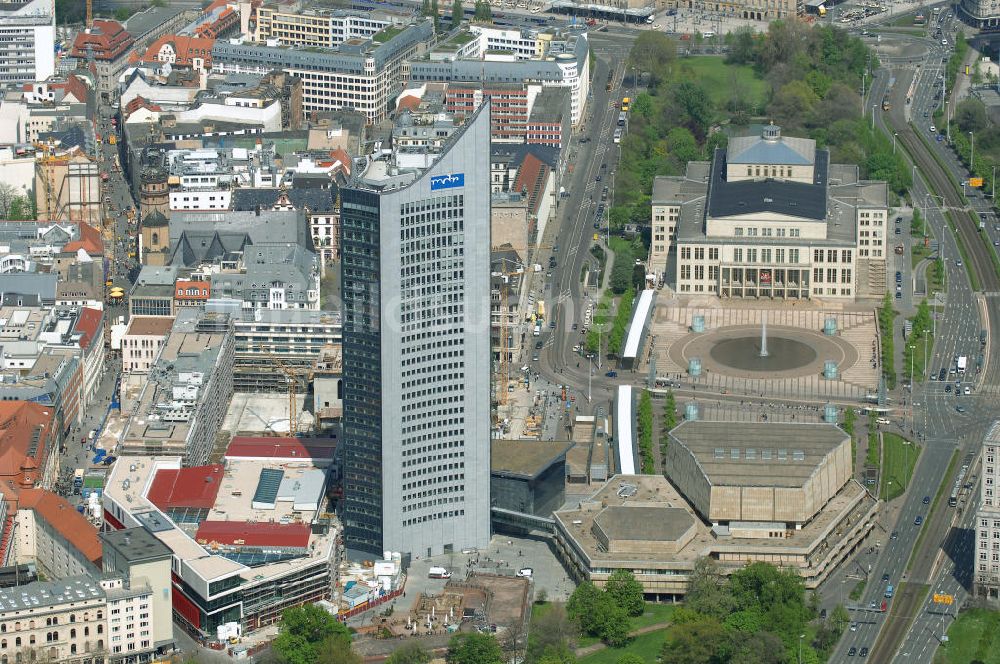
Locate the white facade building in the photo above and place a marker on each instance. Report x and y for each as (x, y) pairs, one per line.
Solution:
(27, 41)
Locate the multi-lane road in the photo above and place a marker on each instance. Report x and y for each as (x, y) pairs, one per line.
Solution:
(947, 423)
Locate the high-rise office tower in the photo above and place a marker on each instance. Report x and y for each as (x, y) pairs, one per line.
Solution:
(415, 238)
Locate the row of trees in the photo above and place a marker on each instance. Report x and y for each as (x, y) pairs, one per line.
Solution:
(886, 317)
(669, 422)
(481, 13)
(620, 324)
(915, 342)
(645, 431)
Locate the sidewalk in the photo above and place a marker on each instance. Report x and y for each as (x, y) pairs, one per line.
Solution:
(597, 647)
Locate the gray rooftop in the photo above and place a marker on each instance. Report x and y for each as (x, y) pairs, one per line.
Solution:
(525, 458)
(135, 545)
(797, 199)
(49, 593)
(758, 453)
(140, 24)
(772, 148)
(551, 105)
(347, 58)
(644, 523)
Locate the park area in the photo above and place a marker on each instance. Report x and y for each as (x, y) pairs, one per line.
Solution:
(899, 457)
(974, 637)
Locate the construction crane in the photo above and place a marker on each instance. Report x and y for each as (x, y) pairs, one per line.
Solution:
(292, 377)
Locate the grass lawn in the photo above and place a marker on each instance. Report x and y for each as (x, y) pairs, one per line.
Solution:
(655, 613)
(900, 457)
(974, 636)
(858, 590)
(717, 77)
(919, 361)
(647, 646)
(905, 20)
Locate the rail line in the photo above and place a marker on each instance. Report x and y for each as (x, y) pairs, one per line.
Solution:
(965, 220)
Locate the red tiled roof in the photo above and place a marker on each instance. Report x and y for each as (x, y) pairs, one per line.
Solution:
(409, 103)
(88, 324)
(188, 487)
(90, 241)
(200, 287)
(18, 422)
(295, 535)
(279, 447)
(528, 175)
(65, 520)
(107, 40)
(345, 159)
(185, 49)
(77, 87)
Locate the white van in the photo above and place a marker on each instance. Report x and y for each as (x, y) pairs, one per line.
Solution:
(707, 35)
(883, 421)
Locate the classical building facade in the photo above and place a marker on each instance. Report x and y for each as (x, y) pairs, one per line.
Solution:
(770, 217)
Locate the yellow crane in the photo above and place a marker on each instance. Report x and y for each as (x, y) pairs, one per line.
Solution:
(292, 375)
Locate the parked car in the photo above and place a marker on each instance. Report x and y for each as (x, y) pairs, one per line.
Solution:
(612, 374)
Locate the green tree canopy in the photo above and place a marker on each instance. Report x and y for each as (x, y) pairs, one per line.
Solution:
(624, 589)
(552, 634)
(707, 592)
(702, 641)
(474, 648)
(305, 630)
(970, 115)
(456, 13)
(411, 653)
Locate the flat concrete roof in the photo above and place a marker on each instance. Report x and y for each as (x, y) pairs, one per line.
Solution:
(782, 454)
(644, 523)
(525, 458)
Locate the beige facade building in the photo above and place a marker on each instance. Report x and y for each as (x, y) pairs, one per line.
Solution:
(142, 341)
(321, 28)
(758, 10)
(797, 469)
(776, 493)
(57, 621)
(770, 217)
(143, 622)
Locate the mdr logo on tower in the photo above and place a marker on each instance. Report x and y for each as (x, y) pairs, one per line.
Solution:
(450, 181)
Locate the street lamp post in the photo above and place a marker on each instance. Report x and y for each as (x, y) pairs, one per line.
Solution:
(894, 134)
(873, 117)
(947, 118)
(801, 636)
(972, 153)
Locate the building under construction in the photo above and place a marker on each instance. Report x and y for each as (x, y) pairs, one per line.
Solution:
(68, 188)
